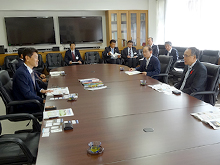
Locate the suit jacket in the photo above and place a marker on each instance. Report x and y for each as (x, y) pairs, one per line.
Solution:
(125, 52)
(173, 53)
(68, 56)
(153, 67)
(155, 50)
(23, 86)
(196, 81)
(107, 50)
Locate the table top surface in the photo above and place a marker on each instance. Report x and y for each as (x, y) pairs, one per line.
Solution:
(117, 115)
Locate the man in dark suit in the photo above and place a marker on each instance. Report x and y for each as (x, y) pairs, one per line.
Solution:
(194, 75)
(25, 86)
(155, 49)
(41, 78)
(150, 65)
(130, 55)
(171, 52)
(109, 53)
(72, 56)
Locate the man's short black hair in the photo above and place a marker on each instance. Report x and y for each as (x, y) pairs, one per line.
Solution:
(72, 43)
(168, 43)
(29, 52)
(148, 47)
(151, 39)
(130, 41)
(194, 51)
(20, 52)
(112, 41)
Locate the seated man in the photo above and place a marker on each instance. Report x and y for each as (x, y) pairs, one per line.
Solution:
(72, 56)
(171, 52)
(194, 75)
(150, 65)
(24, 82)
(155, 49)
(130, 55)
(110, 52)
(41, 78)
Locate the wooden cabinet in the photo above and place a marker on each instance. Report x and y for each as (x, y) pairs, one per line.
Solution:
(124, 25)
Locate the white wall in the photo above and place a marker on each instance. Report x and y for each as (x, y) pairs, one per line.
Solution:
(55, 8)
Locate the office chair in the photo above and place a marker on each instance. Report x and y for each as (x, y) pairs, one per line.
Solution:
(161, 50)
(54, 60)
(212, 84)
(19, 148)
(7, 60)
(7, 97)
(12, 65)
(165, 64)
(92, 58)
(40, 67)
(210, 56)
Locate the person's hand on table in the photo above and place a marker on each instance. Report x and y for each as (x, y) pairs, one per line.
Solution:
(79, 62)
(132, 69)
(144, 73)
(128, 56)
(46, 91)
(119, 56)
(109, 53)
(44, 80)
(43, 76)
(70, 62)
(135, 56)
(44, 101)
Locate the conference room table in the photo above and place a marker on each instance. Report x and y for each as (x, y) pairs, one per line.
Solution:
(117, 115)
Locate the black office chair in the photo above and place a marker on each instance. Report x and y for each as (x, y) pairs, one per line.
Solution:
(165, 64)
(12, 65)
(54, 60)
(7, 96)
(210, 56)
(19, 148)
(7, 60)
(161, 49)
(212, 84)
(40, 67)
(92, 58)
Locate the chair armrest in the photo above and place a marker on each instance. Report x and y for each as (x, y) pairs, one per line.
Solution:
(203, 93)
(160, 75)
(23, 116)
(13, 103)
(22, 146)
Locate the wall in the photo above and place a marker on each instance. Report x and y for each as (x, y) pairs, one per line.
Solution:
(55, 8)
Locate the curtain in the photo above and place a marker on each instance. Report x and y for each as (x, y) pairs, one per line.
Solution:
(192, 23)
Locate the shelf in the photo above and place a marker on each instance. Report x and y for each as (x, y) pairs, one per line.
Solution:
(113, 22)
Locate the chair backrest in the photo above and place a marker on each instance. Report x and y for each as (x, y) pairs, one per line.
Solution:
(54, 60)
(6, 88)
(12, 65)
(140, 52)
(40, 66)
(165, 63)
(181, 51)
(8, 59)
(92, 57)
(161, 49)
(212, 83)
(210, 56)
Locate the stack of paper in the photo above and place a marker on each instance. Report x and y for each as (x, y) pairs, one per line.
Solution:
(92, 84)
(165, 88)
(58, 91)
(210, 117)
(132, 72)
(57, 73)
(58, 113)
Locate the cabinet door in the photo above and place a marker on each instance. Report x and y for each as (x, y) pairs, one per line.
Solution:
(143, 28)
(123, 32)
(133, 27)
(114, 27)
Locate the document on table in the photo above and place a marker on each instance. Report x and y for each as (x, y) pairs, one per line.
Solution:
(58, 113)
(59, 91)
(57, 73)
(73, 95)
(165, 88)
(132, 72)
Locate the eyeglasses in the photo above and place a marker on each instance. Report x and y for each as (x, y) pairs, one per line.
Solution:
(186, 55)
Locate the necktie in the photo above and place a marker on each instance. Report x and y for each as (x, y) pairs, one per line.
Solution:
(168, 53)
(112, 50)
(185, 78)
(129, 52)
(74, 58)
(33, 78)
(147, 62)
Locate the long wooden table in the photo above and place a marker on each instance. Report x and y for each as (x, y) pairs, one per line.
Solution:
(117, 115)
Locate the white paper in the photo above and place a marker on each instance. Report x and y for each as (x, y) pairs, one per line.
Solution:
(165, 88)
(46, 134)
(74, 95)
(56, 73)
(58, 113)
(95, 88)
(132, 72)
(49, 124)
(58, 91)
